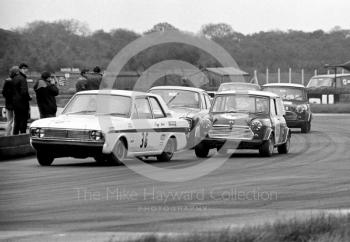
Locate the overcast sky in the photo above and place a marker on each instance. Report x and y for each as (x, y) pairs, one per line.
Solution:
(245, 16)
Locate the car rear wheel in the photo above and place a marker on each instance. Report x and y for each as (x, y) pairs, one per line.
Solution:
(266, 149)
(168, 151)
(201, 150)
(44, 159)
(306, 127)
(284, 148)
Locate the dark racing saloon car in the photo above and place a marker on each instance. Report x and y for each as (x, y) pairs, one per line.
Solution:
(246, 120)
(298, 113)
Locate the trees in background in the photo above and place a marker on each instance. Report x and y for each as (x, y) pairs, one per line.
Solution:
(69, 43)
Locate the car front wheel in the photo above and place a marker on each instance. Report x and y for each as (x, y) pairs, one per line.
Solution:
(44, 159)
(168, 151)
(119, 153)
(266, 149)
(306, 127)
(201, 150)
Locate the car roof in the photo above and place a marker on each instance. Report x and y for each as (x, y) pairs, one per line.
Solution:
(238, 83)
(257, 93)
(283, 85)
(114, 92)
(192, 89)
(331, 75)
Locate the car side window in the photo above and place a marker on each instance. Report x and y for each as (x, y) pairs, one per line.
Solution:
(156, 108)
(273, 107)
(207, 99)
(142, 109)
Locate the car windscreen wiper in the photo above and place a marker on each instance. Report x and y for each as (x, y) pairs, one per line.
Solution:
(172, 99)
(82, 112)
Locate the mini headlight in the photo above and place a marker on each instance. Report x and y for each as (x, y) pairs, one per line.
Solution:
(301, 108)
(96, 135)
(190, 122)
(256, 125)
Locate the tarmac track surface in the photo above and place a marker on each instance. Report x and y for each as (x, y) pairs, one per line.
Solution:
(79, 197)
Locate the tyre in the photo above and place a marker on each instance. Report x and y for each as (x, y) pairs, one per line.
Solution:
(44, 159)
(119, 153)
(169, 150)
(306, 127)
(100, 159)
(266, 149)
(201, 150)
(284, 148)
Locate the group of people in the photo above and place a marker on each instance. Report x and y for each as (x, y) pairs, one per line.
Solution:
(89, 81)
(16, 94)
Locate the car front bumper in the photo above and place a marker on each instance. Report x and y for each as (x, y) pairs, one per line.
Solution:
(68, 148)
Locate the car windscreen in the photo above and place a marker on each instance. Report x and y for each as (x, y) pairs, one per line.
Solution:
(320, 82)
(240, 103)
(178, 98)
(238, 87)
(288, 93)
(103, 104)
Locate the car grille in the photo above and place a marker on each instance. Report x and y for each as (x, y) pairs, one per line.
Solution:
(231, 132)
(67, 134)
(291, 116)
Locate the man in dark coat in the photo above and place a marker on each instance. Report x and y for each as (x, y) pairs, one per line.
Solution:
(7, 92)
(21, 100)
(81, 84)
(94, 79)
(46, 91)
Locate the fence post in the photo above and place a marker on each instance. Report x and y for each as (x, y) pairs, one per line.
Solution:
(278, 75)
(290, 75)
(302, 77)
(267, 75)
(315, 72)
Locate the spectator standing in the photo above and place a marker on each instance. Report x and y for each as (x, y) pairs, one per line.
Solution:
(81, 84)
(94, 79)
(7, 92)
(21, 100)
(46, 92)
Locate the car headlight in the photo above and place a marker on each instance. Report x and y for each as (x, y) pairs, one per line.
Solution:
(256, 125)
(96, 135)
(37, 132)
(190, 122)
(301, 108)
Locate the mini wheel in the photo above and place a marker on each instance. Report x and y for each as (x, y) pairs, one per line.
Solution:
(284, 148)
(306, 127)
(201, 150)
(266, 149)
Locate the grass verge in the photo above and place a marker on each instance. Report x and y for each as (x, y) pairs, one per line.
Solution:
(322, 228)
(330, 108)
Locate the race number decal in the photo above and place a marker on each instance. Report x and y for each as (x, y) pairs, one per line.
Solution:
(144, 140)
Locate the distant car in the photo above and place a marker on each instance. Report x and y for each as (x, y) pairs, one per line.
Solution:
(296, 103)
(109, 126)
(238, 86)
(189, 103)
(246, 120)
(329, 80)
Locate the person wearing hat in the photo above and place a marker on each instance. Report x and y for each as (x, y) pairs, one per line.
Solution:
(20, 100)
(7, 92)
(46, 92)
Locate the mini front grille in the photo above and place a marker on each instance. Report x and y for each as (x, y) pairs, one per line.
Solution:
(231, 132)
